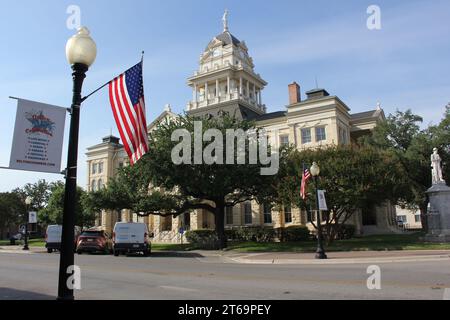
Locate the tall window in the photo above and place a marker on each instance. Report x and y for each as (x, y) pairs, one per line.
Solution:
(166, 223)
(186, 221)
(229, 215)
(267, 213)
(320, 134)
(205, 222)
(284, 140)
(93, 185)
(287, 214)
(100, 184)
(100, 167)
(94, 168)
(306, 135)
(247, 213)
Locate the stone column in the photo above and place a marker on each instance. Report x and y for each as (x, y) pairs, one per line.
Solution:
(217, 89)
(293, 135)
(259, 96)
(195, 93)
(240, 85)
(439, 213)
(228, 87)
(248, 88)
(206, 93)
(195, 224)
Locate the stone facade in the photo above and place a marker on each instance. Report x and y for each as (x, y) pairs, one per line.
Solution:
(226, 80)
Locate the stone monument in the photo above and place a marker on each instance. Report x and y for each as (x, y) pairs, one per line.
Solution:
(439, 210)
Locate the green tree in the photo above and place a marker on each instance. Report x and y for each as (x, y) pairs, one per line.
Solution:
(39, 192)
(178, 188)
(353, 177)
(53, 212)
(12, 210)
(412, 146)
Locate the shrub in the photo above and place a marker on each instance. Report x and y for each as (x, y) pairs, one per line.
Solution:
(258, 234)
(203, 239)
(232, 234)
(346, 231)
(295, 233)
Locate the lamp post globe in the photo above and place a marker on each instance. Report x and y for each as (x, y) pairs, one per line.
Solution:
(320, 252)
(28, 201)
(315, 169)
(81, 52)
(80, 48)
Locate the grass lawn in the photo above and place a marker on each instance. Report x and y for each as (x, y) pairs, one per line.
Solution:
(376, 242)
(31, 242)
(409, 241)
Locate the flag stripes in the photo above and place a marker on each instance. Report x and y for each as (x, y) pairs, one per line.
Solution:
(126, 96)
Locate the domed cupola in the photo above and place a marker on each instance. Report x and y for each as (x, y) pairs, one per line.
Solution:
(226, 77)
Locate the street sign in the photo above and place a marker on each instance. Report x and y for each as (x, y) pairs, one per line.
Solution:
(181, 230)
(32, 217)
(22, 229)
(322, 200)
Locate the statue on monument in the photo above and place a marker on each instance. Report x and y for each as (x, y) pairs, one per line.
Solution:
(436, 171)
(225, 20)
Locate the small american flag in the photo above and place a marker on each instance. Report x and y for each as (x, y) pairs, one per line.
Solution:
(126, 95)
(306, 175)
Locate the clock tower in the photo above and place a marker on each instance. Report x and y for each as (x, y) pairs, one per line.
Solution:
(226, 80)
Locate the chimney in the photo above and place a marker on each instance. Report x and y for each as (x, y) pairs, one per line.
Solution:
(294, 93)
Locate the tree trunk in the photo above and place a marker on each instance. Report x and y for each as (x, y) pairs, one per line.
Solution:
(423, 217)
(219, 216)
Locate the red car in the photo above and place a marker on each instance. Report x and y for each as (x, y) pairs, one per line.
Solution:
(94, 241)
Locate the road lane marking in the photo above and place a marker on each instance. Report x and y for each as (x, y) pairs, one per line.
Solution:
(179, 288)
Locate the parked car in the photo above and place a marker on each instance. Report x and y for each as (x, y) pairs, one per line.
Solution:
(94, 241)
(53, 237)
(131, 237)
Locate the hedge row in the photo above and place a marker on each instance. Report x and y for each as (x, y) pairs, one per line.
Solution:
(207, 239)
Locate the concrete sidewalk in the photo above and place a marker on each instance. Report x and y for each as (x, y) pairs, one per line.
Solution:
(18, 249)
(354, 257)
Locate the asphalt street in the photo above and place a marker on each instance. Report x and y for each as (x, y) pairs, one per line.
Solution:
(191, 275)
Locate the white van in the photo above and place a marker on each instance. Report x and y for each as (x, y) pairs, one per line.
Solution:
(131, 237)
(53, 237)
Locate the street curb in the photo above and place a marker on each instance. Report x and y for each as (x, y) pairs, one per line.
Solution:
(6, 249)
(243, 260)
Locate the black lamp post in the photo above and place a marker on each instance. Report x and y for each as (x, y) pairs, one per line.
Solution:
(28, 201)
(320, 252)
(81, 52)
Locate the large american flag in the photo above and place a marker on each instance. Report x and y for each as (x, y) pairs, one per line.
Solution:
(126, 95)
(306, 175)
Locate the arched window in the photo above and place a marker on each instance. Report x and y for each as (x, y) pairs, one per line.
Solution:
(93, 185)
(100, 184)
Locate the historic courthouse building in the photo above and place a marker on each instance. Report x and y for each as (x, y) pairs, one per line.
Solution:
(226, 81)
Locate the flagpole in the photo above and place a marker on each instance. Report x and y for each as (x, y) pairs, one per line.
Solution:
(96, 90)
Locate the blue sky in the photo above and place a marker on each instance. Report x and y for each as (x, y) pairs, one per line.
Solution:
(404, 65)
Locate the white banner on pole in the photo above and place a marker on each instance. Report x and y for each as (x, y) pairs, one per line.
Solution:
(322, 200)
(38, 137)
(32, 217)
